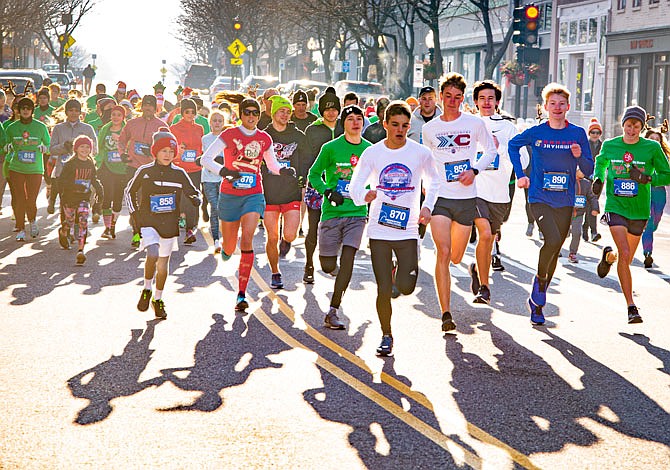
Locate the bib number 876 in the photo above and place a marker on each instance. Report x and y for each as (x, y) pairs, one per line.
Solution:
(246, 179)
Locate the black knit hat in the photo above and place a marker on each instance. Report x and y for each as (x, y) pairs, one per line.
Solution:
(329, 100)
(634, 112)
(188, 103)
(300, 97)
(349, 110)
(249, 103)
(25, 102)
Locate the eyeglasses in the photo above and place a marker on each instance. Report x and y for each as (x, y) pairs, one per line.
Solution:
(251, 112)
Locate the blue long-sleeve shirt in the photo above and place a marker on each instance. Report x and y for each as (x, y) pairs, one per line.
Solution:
(552, 161)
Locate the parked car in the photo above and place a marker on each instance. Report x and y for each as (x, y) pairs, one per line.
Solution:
(263, 81)
(221, 83)
(364, 90)
(63, 79)
(200, 77)
(51, 68)
(293, 85)
(36, 75)
(19, 83)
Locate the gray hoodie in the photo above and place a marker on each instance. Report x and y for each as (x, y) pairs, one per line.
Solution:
(417, 123)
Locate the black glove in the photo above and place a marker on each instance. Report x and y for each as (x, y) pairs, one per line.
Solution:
(637, 175)
(335, 198)
(230, 174)
(125, 158)
(198, 160)
(597, 186)
(287, 171)
(422, 230)
(195, 200)
(146, 151)
(68, 146)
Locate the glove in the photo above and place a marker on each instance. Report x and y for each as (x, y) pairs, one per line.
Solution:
(335, 198)
(229, 174)
(422, 230)
(287, 171)
(125, 158)
(301, 181)
(637, 175)
(195, 200)
(198, 161)
(597, 186)
(68, 146)
(43, 148)
(146, 151)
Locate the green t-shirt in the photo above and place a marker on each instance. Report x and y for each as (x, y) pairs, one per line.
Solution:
(108, 151)
(199, 119)
(335, 163)
(93, 118)
(26, 154)
(57, 103)
(40, 115)
(625, 197)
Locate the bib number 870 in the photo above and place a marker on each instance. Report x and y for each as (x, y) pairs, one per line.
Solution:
(397, 215)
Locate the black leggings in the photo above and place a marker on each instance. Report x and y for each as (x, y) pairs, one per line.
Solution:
(329, 263)
(406, 253)
(114, 185)
(313, 217)
(554, 223)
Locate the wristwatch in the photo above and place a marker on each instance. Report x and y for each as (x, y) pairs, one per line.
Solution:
(475, 171)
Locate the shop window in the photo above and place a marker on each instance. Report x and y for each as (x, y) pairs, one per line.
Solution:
(583, 29)
(593, 30)
(562, 70)
(563, 35)
(588, 82)
(579, 79)
(572, 33)
(628, 82)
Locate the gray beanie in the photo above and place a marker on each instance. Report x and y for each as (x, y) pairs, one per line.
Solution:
(634, 112)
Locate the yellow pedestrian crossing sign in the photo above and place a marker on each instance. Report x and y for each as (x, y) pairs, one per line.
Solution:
(236, 61)
(237, 48)
(67, 41)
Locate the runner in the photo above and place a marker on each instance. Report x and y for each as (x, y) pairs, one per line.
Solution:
(453, 138)
(633, 164)
(134, 145)
(266, 117)
(283, 193)
(595, 131)
(323, 130)
(342, 222)
(558, 148)
(426, 112)
(43, 110)
(377, 132)
(112, 171)
(658, 198)
(55, 100)
(189, 136)
(241, 201)
(78, 176)
(395, 169)
(584, 200)
(492, 185)
(301, 117)
(24, 165)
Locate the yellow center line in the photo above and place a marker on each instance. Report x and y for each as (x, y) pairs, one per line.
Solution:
(473, 430)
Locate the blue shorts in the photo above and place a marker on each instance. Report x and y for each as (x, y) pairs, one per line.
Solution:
(232, 208)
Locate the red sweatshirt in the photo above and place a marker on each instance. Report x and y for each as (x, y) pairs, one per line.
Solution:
(189, 138)
(136, 136)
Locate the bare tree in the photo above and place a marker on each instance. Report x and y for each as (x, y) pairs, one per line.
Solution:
(429, 12)
(485, 13)
(15, 18)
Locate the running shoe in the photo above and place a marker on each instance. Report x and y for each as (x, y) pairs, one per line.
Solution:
(107, 233)
(145, 298)
(136, 240)
(242, 303)
(63, 239)
(95, 218)
(484, 295)
(648, 261)
(301, 234)
(189, 239)
(21, 236)
(225, 256)
(182, 222)
(284, 248)
(112, 231)
(537, 295)
(496, 263)
(447, 322)
(604, 265)
(529, 230)
(386, 346)
(541, 235)
(474, 278)
(34, 229)
(81, 258)
(633, 315)
(159, 309)
(536, 315)
(332, 321)
(217, 246)
(572, 257)
(51, 208)
(276, 282)
(308, 277)
(596, 237)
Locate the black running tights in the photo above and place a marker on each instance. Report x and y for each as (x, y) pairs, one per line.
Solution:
(405, 279)
(554, 223)
(329, 263)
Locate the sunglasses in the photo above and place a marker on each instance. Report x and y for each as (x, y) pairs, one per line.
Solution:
(251, 112)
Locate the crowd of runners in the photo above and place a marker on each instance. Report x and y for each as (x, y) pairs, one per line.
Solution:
(388, 168)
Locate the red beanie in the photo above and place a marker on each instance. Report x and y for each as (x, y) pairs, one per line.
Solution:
(161, 139)
(121, 87)
(82, 140)
(595, 124)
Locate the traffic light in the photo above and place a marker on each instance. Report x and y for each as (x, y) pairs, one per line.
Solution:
(525, 24)
(237, 26)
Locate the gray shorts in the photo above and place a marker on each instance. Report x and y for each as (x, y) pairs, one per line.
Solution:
(494, 212)
(334, 233)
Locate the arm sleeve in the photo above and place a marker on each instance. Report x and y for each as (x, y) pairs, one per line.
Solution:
(315, 175)
(485, 138)
(271, 160)
(586, 160)
(123, 140)
(99, 157)
(514, 146)
(66, 178)
(187, 185)
(99, 190)
(433, 179)
(359, 179)
(132, 190)
(602, 162)
(592, 198)
(661, 175)
(208, 156)
(56, 146)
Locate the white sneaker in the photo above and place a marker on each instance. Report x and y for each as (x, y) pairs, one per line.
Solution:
(217, 246)
(34, 229)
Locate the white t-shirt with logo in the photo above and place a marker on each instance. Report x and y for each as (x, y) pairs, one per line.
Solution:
(396, 175)
(454, 147)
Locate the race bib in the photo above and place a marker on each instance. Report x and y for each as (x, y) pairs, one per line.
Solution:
(343, 187)
(26, 157)
(113, 157)
(625, 188)
(580, 202)
(555, 181)
(393, 216)
(85, 183)
(141, 148)
(494, 165)
(245, 181)
(163, 203)
(453, 169)
(188, 156)
(284, 164)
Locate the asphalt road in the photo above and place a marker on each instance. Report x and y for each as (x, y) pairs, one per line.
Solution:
(88, 381)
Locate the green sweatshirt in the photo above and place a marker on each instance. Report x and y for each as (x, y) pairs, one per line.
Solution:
(108, 150)
(41, 115)
(648, 156)
(336, 162)
(26, 140)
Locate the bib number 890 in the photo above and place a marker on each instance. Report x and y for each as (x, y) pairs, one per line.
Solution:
(559, 179)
